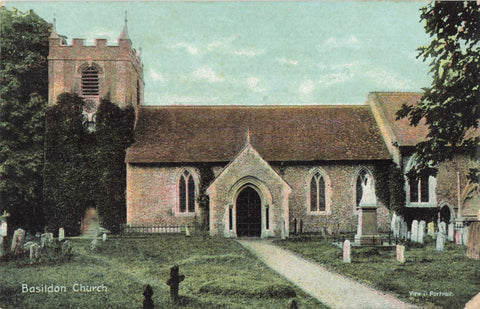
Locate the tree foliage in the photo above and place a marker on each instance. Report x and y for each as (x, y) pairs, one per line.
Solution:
(450, 107)
(86, 169)
(114, 134)
(390, 186)
(23, 97)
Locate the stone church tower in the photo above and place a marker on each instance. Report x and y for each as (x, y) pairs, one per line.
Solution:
(95, 72)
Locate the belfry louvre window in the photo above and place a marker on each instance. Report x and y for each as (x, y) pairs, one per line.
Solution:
(317, 193)
(90, 82)
(186, 191)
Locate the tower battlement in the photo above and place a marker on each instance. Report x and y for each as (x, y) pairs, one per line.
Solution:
(95, 71)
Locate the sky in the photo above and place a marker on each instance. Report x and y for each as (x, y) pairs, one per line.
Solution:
(256, 53)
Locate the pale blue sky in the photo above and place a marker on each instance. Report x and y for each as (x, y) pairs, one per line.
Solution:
(258, 52)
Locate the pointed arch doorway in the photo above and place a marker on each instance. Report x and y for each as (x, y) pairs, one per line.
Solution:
(249, 213)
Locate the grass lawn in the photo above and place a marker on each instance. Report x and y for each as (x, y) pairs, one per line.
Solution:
(424, 271)
(219, 273)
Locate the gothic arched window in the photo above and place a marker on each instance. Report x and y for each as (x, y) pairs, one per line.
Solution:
(186, 191)
(317, 193)
(420, 190)
(90, 81)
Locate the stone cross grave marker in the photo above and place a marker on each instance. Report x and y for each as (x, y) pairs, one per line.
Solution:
(17, 240)
(431, 229)
(451, 232)
(421, 231)
(440, 242)
(401, 253)
(61, 234)
(174, 282)
(147, 293)
(346, 251)
(414, 233)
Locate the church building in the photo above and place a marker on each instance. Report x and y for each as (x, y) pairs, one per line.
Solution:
(265, 170)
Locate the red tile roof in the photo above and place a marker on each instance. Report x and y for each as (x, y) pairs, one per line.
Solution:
(390, 103)
(278, 133)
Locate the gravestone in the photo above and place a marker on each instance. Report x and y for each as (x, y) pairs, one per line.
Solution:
(3, 232)
(46, 240)
(451, 232)
(396, 227)
(431, 229)
(403, 229)
(463, 234)
(61, 234)
(147, 293)
(282, 230)
(473, 241)
(17, 241)
(440, 242)
(401, 253)
(409, 235)
(414, 233)
(367, 233)
(34, 252)
(187, 231)
(346, 251)
(458, 237)
(93, 245)
(67, 249)
(442, 228)
(174, 282)
(104, 236)
(392, 223)
(421, 231)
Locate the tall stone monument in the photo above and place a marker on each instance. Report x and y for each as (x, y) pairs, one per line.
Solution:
(367, 233)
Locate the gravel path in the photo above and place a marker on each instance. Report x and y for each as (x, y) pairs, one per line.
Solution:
(330, 288)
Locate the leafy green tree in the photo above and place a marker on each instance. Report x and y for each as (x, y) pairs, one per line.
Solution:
(114, 133)
(450, 107)
(23, 97)
(70, 184)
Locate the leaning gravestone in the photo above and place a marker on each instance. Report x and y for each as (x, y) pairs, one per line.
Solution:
(17, 240)
(401, 253)
(431, 229)
(414, 233)
(440, 242)
(61, 234)
(346, 251)
(451, 231)
(421, 231)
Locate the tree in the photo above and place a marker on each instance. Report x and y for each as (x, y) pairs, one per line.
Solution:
(70, 183)
(114, 133)
(450, 107)
(23, 97)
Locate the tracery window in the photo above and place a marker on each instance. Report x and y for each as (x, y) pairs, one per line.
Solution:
(317, 193)
(186, 191)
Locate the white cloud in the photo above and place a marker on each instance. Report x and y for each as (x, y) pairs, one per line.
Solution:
(306, 87)
(189, 48)
(286, 61)
(252, 84)
(332, 42)
(225, 46)
(157, 76)
(206, 73)
(248, 52)
(331, 79)
(384, 79)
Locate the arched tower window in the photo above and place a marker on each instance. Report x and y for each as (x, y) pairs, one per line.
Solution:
(90, 81)
(186, 191)
(317, 193)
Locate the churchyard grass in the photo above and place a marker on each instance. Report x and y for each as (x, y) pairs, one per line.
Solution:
(219, 273)
(430, 278)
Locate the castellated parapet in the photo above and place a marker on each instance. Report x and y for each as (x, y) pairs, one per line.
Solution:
(95, 71)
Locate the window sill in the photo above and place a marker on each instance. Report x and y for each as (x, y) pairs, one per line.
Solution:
(421, 205)
(319, 213)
